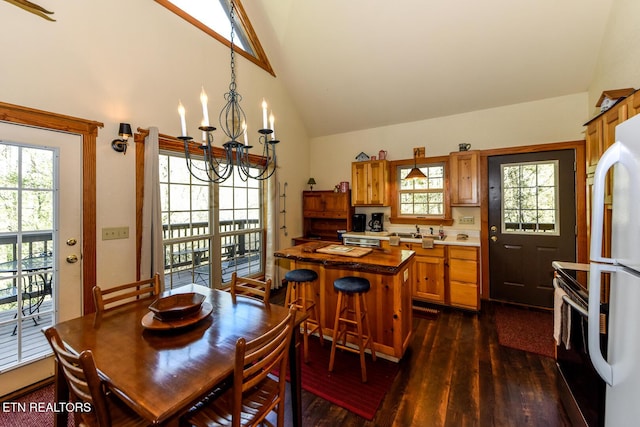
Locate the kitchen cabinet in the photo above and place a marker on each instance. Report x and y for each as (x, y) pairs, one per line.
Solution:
(600, 135)
(463, 277)
(428, 273)
(370, 183)
(388, 300)
(593, 136)
(633, 104)
(464, 167)
(324, 213)
(445, 274)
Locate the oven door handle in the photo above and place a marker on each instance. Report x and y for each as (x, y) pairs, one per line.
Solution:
(572, 303)
(568, 300)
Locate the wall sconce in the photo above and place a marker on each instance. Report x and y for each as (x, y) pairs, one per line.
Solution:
(120, 145)
(311, 183)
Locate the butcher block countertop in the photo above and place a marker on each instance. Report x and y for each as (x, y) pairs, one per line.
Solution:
(382, 261)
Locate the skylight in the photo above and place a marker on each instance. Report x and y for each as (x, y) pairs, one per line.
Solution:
(212, 17)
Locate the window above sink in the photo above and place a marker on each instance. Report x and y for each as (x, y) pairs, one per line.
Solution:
(421, 201)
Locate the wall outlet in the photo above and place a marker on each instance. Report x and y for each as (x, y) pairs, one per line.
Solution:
(112, 233)
(466, 220)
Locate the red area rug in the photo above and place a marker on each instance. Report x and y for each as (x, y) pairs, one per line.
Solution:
(33, 409)
(343, 386)
(525, 329)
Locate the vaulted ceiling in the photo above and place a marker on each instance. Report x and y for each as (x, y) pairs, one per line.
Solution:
(358, 64)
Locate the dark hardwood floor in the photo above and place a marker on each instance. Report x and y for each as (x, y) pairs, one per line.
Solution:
(455, 373)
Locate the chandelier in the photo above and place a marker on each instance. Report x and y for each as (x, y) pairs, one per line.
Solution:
(202, 161)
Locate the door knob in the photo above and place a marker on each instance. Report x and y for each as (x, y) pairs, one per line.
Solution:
(494, 238)
(72, 259)
(71, 242)
(494, 228)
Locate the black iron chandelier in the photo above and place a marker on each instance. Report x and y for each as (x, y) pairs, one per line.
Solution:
(202, 162)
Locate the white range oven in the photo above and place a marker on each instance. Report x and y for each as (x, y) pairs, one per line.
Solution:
(582, 390)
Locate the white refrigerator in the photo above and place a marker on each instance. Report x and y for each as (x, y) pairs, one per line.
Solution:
(620, 368)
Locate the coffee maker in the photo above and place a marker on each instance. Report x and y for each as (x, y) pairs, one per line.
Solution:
(376, 221)
(359, 222)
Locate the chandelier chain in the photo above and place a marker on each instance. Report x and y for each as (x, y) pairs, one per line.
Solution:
(232, 21)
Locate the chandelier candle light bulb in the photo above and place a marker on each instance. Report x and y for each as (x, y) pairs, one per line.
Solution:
(273, 128)
(264, 114)
(244, 131)
(183, 121)
(205, 110)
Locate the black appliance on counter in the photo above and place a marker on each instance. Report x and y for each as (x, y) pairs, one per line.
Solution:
(582, 391)
(376, 221)
(359, 222)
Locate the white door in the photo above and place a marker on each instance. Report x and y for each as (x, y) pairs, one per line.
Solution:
(40, 246)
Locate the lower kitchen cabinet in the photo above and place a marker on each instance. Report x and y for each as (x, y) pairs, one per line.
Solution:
(463, 277)
(428, 273)
(445, 274)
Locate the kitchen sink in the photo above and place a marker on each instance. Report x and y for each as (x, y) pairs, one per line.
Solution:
(418, 236)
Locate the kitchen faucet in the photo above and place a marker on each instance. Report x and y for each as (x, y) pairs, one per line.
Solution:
(417, 229)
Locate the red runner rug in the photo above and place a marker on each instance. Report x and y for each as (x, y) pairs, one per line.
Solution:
(525, 329)
(344, 386)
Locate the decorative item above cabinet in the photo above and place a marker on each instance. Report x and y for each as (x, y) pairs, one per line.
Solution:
(370, 183)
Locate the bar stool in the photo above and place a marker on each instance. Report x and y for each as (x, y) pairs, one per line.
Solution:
(301, 295)
(351, 310)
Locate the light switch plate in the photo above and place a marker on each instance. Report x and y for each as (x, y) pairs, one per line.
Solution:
(112, 233)
(466, 220)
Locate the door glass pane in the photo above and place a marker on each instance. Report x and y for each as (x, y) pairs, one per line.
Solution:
(530, 202)
(26, 251)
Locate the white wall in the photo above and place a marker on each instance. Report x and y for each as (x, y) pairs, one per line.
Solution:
(132, 61)
(619, 55)
(546, 121)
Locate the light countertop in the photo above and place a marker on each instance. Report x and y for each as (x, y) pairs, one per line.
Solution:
(450, 240)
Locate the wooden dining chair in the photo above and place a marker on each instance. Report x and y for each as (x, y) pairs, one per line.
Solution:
(112, 297)
(255, 392)
(253, 288)
(103, 408)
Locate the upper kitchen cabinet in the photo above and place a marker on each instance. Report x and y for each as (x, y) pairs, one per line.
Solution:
(633, 105)
(325, 204)
(464, 178)
(370, 183)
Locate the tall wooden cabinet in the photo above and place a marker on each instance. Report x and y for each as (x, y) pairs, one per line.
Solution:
(326, 212)
(464, 167)
(370, 183)
(600, 135)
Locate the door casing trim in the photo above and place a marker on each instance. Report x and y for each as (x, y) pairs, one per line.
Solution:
(88, 129)
(581, 182)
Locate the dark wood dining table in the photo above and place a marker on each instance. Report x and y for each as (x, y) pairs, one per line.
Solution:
(161, 374)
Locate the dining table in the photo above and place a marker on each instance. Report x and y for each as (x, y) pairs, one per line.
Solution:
(161, 371)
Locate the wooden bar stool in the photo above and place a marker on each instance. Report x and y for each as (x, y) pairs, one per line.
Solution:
(351, 310)
(301, 295)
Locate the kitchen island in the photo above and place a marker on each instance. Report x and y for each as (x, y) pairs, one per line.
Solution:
(389, 300)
